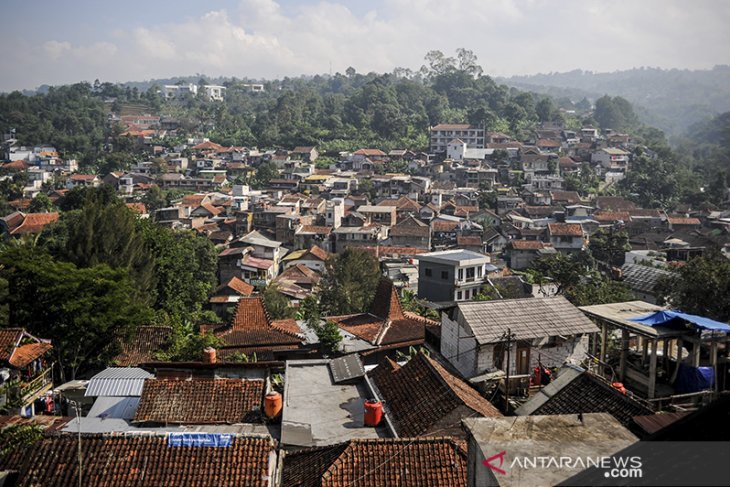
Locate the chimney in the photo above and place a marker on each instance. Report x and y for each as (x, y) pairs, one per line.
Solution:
(209, 356)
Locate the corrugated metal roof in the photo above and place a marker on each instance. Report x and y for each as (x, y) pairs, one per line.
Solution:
(118, 381)
(526, 318)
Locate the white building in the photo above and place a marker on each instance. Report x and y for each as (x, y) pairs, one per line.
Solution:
(612, 159)
(215, 92)
(550, 331)
(178, 92)
(443, 133)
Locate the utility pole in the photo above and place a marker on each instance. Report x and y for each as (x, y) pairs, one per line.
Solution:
(509, 337)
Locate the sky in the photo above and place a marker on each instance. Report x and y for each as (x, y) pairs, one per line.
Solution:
(57, 42)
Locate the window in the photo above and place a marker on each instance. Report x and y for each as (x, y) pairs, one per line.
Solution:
(479, 271)
(470, 274)
(466, 294)
(458, 296)
(445, 275)
(428, 272)
(461, 274)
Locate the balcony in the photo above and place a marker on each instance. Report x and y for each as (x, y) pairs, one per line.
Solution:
(37, 385)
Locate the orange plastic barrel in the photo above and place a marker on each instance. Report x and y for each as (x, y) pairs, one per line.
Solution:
(373, 412)
(272, 405)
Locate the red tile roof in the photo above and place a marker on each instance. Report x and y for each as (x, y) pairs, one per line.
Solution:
(208, 145)
(215, 211)
(570, 197)
(614, 203)
(320, 230)
(565, 229)
(433, 462)
(527, 244)
(676, 220)
(142, 347)
(257, 263)
(469, 241)
(25, 354)
(137, 207)
(200, 401)
(611, 216)
(145, 459)
(421, 393)
(385, 323)
(444, 226)
(252, 327)
(83, 177)
(9, 339)
(193, 200)
(18, 165)
(29, 222)
(404, 203)
(237, 285)
(370, 152)
(388, 250)
(18, 348)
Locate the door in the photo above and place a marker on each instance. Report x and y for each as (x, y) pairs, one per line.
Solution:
(523, 360)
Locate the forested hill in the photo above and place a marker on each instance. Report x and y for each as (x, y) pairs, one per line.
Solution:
(338, 112)
(672, 100)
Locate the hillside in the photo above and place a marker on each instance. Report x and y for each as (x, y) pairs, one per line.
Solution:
(672, 100)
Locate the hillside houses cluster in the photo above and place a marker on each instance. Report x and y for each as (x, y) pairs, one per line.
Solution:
(404, 399)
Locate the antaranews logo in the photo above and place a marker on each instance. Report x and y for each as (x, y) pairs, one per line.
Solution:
(617, 467)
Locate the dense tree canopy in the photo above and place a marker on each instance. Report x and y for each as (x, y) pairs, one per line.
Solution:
(349, 282)
(79, 309)
(702, 287)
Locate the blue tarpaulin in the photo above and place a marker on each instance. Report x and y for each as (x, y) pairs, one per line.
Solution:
(214, 440)
(665, 316)
(694, 379)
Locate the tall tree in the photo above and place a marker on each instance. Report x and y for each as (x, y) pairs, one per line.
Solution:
(79, 309)
(702, 287)
(349, 282)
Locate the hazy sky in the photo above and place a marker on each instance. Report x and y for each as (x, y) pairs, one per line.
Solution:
(56, 42)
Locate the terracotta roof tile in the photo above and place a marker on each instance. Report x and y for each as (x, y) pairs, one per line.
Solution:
(114, 459)
(676, 220)
(388, 250)
(570, 197)
(142, 347)
(527, 244)
(421, 393)
(433, 462)
(237, 285)
(469, 240)
(25, 354)
(32, 222)
(370, 152)
(252, 327)
(200, 401)
(385, 323)
(444, 226)
(614, 203)
(9, 338)
(565, 229)
(611, 216)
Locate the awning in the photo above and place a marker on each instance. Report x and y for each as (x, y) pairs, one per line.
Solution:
(662, 317)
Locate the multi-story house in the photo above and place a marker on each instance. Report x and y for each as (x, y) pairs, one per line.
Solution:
(567, 238)
(26, 370)
(611, 159)
(451, 275)
(441, 134)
